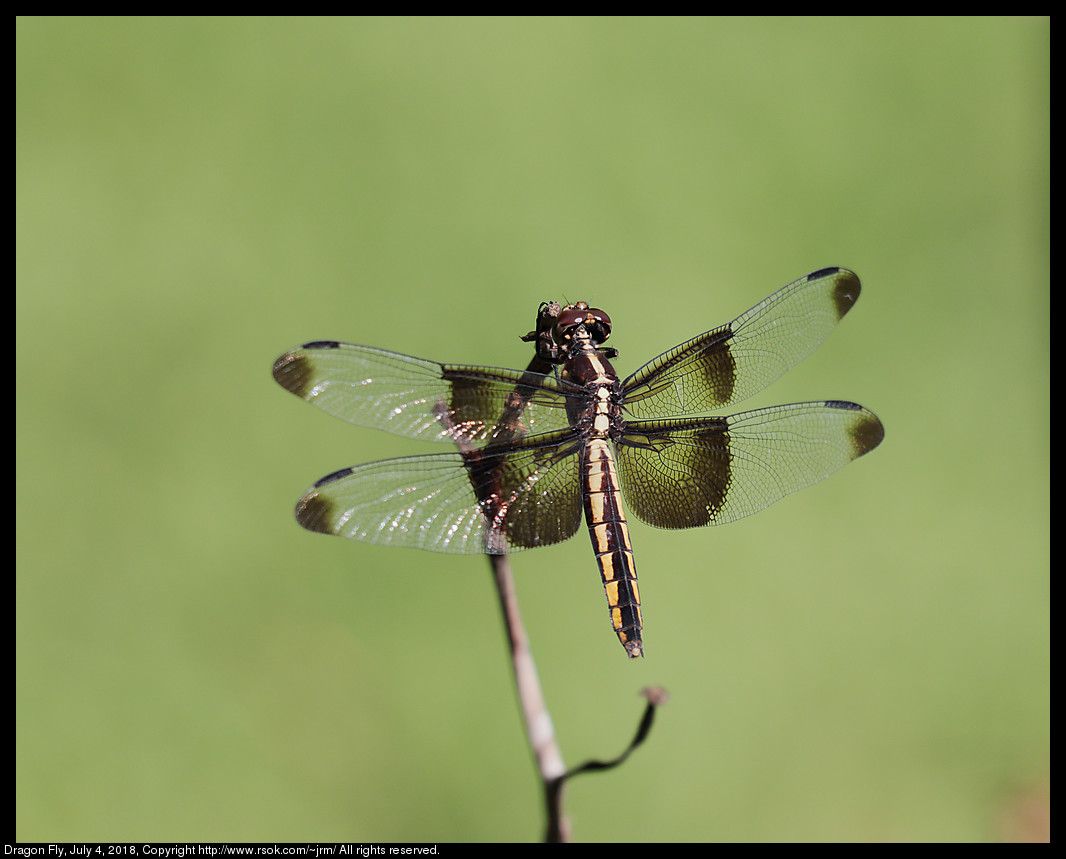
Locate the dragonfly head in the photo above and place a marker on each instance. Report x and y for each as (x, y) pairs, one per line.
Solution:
(595, 321)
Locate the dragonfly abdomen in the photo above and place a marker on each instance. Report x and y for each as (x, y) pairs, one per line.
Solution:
(610, 541)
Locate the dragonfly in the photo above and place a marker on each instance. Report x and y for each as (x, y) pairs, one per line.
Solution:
(539, 450)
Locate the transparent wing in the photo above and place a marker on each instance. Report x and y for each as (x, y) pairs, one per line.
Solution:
(708, 471)
(422, 399)
(736, 361)
(463, 503)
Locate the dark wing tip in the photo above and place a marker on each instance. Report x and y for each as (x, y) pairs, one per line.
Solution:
(846, 289)
(315, 513)
(293, 372)
(866, 432)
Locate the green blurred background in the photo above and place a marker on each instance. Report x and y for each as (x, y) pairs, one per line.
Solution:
(866, 660)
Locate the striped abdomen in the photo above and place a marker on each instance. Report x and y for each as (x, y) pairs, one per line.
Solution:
(610, 541)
